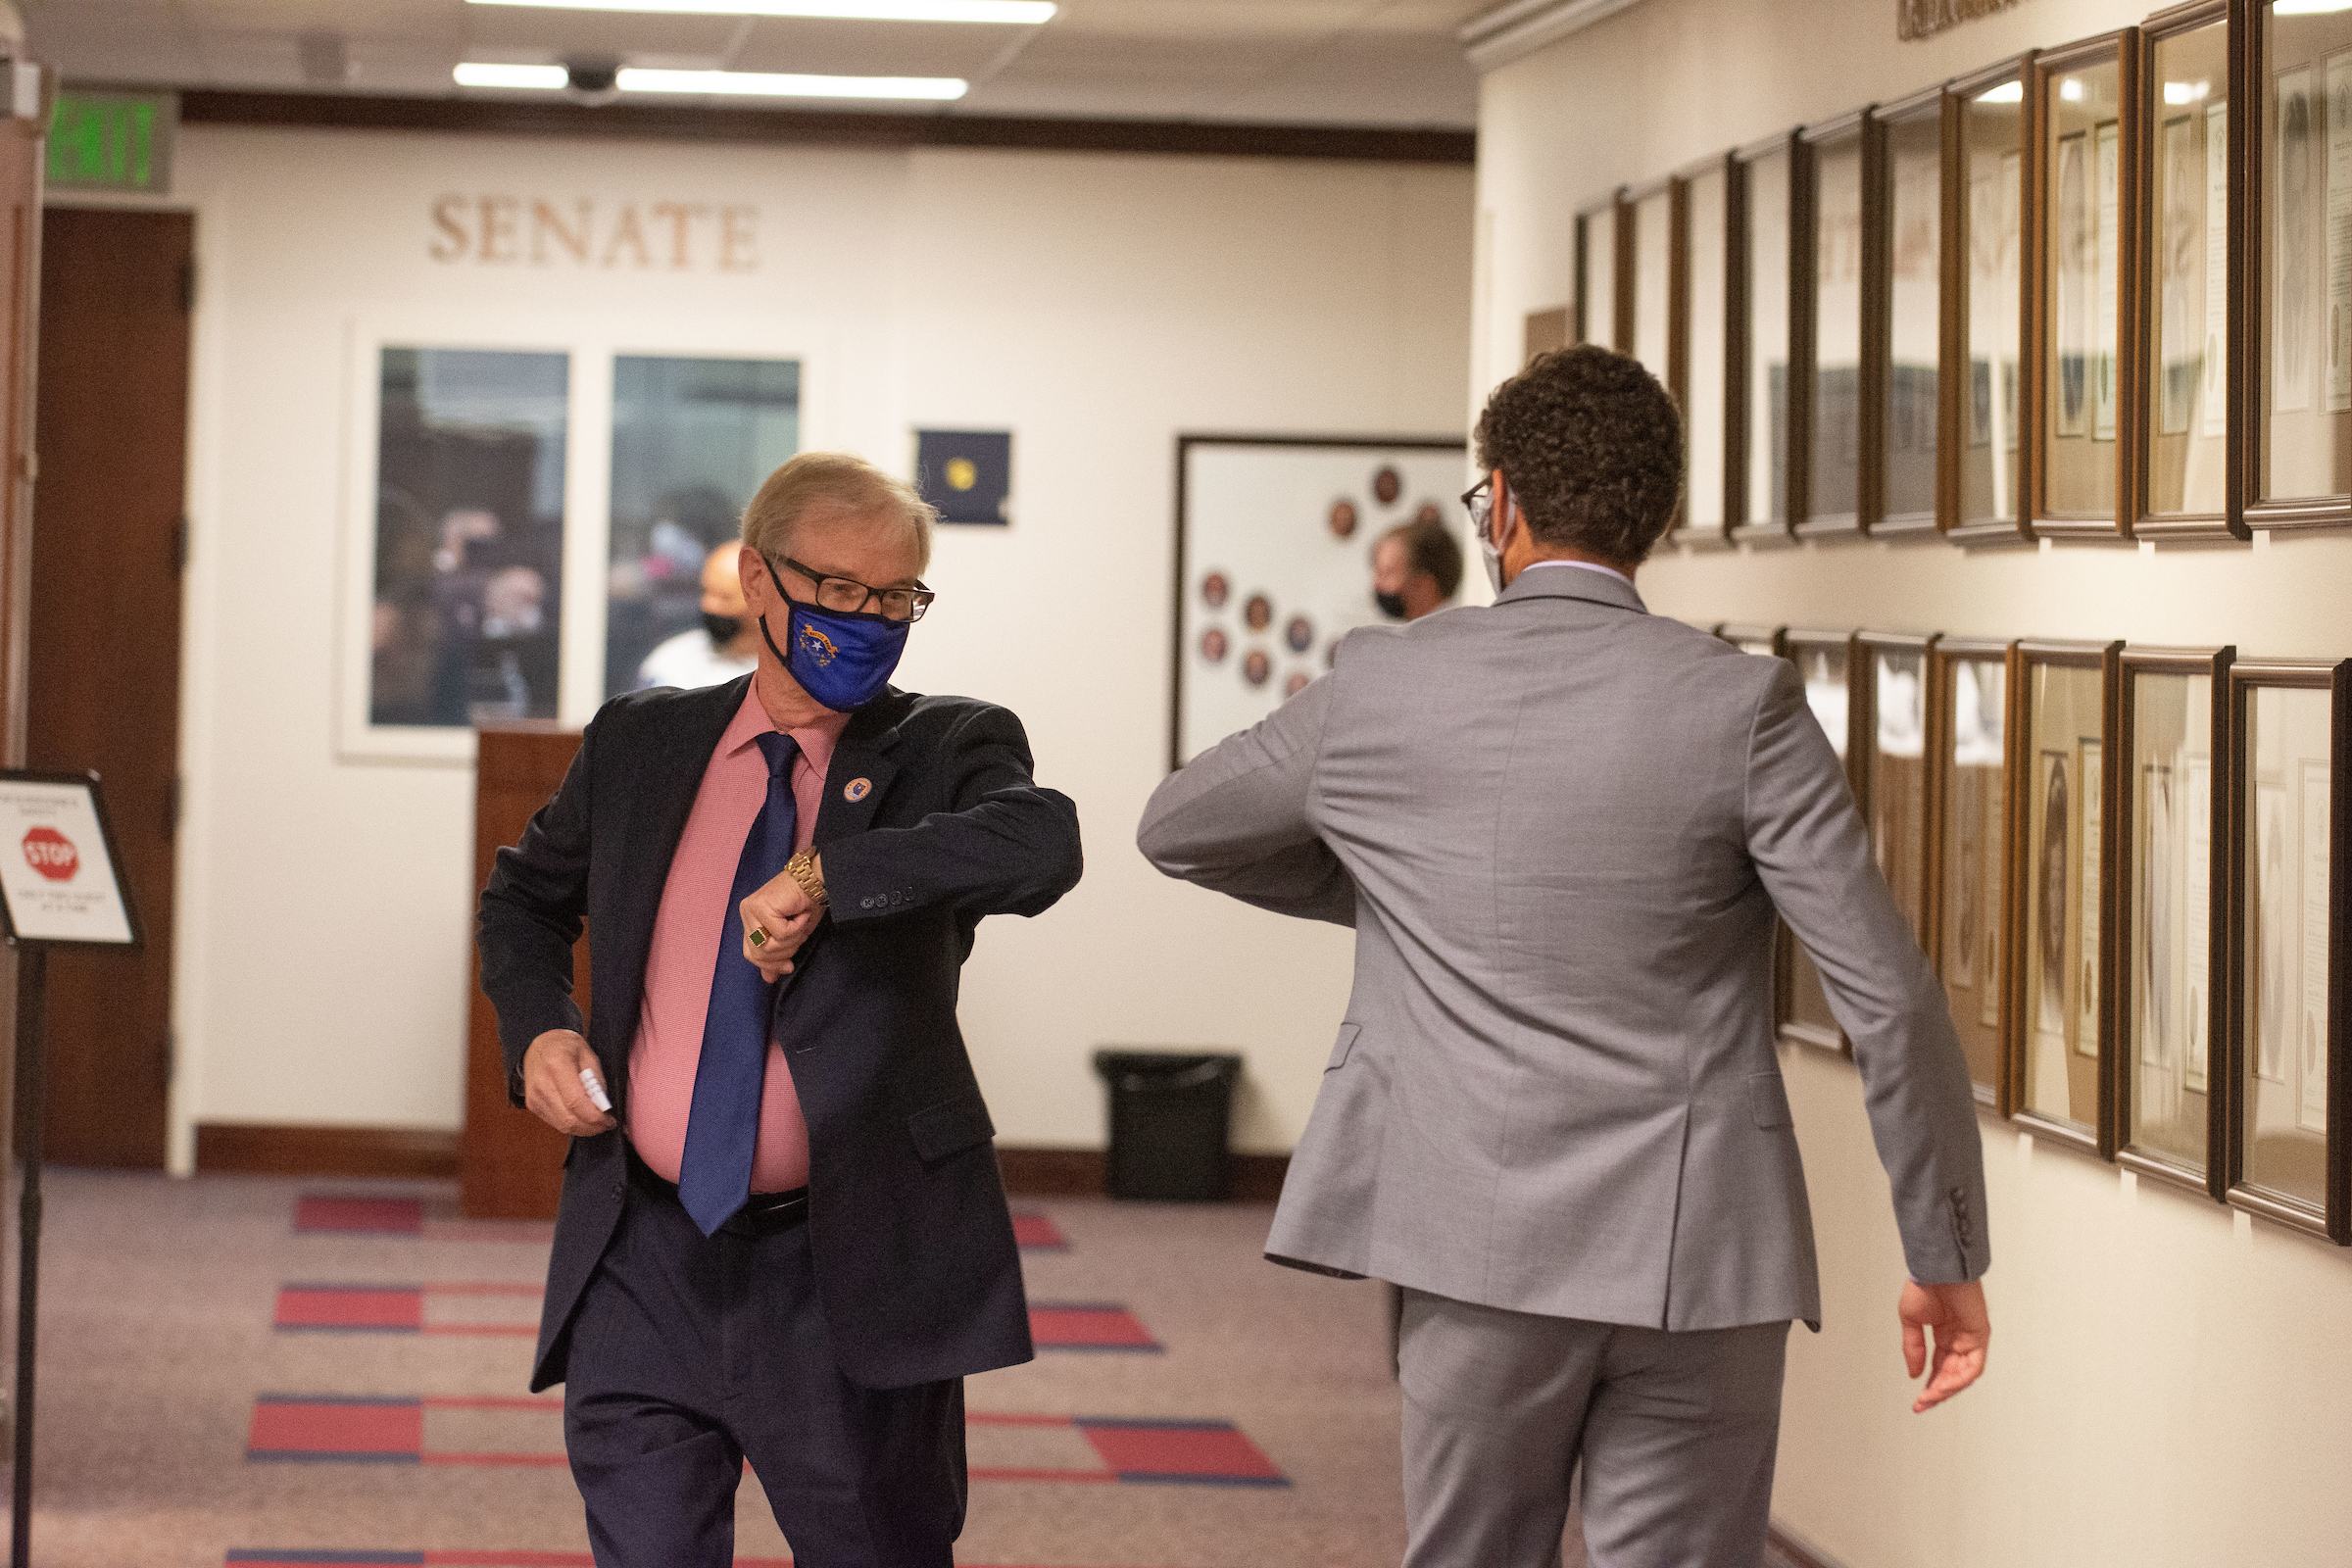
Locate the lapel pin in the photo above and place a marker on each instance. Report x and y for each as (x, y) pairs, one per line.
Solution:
(856, 789)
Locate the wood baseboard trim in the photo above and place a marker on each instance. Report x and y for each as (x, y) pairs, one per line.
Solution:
(1031, 1171)
(1785, 1550)
(245, 1149)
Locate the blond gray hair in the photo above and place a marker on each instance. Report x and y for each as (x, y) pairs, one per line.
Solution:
(832, 482)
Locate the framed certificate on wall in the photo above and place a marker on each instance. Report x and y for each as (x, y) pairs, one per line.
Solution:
(1837, 166)
(1902, 479)
(1969, 729)
(1604, 301)
(1892, 684)
(1986, 269)
(2062, 1016)
(2171, 973)
(1766, 448)
(2290, 753)
(1827, 660)
(1703, 307)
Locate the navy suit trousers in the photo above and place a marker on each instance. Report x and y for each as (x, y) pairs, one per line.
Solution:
(691, 1354)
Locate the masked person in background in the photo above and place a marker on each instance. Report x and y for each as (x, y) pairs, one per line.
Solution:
(724, 648)
(1416, 567)
(782, 1236)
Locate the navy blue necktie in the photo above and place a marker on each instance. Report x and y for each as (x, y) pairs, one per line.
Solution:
(723, 1129)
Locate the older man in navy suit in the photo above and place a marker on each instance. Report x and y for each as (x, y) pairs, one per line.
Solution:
(782, 1235)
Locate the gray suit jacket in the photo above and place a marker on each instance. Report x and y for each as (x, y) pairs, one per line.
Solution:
(1561, 827)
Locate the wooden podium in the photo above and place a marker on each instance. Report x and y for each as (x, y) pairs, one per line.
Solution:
(509, 1163)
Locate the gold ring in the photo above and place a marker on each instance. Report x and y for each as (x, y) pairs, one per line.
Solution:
(759, 937)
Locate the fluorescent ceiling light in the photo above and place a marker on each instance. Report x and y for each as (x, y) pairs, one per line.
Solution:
(2008, 92)
(1026, 12)
(2309, 8)
(474, 73)
(768, 85)
(2185, 92)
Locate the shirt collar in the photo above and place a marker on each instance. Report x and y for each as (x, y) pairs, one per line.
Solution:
(1585, 566)
(817, 739)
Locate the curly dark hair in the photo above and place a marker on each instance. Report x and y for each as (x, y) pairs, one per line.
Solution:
(1430, 546)
(1591, 446)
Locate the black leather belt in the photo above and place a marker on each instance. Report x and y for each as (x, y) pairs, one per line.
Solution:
(761, 1214)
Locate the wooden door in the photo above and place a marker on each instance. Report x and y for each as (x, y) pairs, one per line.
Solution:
(108, 546)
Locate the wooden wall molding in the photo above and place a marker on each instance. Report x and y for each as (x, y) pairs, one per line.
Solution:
(557, 117)
(240, 1149)
(1032, 1171)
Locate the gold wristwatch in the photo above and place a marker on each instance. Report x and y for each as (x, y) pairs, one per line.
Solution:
(803, 868)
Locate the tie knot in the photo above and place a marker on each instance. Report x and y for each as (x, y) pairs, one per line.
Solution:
(779, 748)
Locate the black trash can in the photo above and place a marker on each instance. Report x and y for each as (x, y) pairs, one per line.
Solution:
(1170, 1113)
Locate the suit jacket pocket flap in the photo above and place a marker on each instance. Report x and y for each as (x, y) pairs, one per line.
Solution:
(1768, 1099)
(1346, 1044)
(951, 1125)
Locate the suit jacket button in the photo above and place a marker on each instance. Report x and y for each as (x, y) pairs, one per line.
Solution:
(867, 902)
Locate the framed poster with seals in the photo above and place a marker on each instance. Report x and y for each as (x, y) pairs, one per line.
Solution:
(1902, 323)
(2170, 972)
(1971, 694)
(1890, 690)
(1827, 660)
(2185, 485)
(1987, 330)
(2087, 154)
(1604, 282)
(1703, 309)
(2062, 1014)
(1764, 450)
(1837, 165)
(1275, 544)
(2297, 317)
(2290, 868)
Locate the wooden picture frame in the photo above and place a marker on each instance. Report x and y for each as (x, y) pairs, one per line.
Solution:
(2186, 483)
(1970, 827)
(1903, 482)
(1605, 284)
(2171, 901)
(1891, 734)
(1827, 660)
(1763, 641)
(1703, 313)
(2086, 156)
(2295, 1166)
(1764, 459)
(1655, 220)
(1986, 459)
(2061, 917)
(2282, 248)
(1831, 405)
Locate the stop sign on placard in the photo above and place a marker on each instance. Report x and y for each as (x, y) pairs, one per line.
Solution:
(52, 854)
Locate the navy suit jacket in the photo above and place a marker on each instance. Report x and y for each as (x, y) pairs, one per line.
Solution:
(916, 1266)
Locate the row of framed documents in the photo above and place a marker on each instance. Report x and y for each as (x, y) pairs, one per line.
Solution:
(2095, 292)
(2132, 869)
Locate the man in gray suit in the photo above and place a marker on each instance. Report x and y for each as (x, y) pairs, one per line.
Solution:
(1561, 827)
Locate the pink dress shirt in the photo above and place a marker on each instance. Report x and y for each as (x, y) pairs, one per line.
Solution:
(695, 909)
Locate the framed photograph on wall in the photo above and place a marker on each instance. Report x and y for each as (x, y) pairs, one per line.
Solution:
(2170, 972)
(1765, 450)
(2185, 486)
(2296, 325)
(1903, 316)
(2086, 151)
(2290, 1029)
(1274, 544)
(1891, 688)
(1828, 662)
(1604, 294)
(1988, 270)
(1762, 641)
(2064, 711)
(1837, 173)
(1703, 309)
(1970, 696)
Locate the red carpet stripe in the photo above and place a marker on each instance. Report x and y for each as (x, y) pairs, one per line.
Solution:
(1037, 1233)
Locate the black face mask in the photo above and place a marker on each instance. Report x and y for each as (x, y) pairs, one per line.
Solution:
(1391, 604)
(723, 629)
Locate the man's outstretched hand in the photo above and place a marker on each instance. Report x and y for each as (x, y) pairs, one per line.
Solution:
(1956, 1313)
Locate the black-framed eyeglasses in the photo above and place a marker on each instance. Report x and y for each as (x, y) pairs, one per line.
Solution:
(846, 596)
(1479, 501)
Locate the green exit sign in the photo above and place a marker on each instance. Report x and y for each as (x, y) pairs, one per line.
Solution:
(111, 141)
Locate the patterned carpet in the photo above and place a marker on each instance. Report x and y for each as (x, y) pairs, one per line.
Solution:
(241, 1370)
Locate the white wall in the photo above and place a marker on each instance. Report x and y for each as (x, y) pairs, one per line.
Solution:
(2169, 1381)
(1096, 306)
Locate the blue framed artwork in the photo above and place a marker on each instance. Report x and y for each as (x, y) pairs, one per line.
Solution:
(967, 475)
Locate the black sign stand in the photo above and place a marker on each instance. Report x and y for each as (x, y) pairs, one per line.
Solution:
(32, 1029)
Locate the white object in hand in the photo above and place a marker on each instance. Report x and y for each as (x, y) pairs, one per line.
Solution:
(596, 1090)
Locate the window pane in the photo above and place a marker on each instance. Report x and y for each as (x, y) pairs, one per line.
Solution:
(692, 441)
(469, 536)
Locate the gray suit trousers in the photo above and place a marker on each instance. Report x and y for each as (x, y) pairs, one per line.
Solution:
(1677, 1434)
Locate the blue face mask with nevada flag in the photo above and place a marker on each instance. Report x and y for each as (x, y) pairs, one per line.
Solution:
(843, 660)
